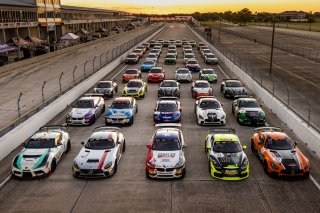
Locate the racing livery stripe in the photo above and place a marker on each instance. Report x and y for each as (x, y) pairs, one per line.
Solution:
(103, 158)
(20, 158)
(40, 159)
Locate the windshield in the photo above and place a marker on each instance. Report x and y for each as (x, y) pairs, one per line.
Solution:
(170, 56)
(104, 85)
(189, 56)
(207, 72)
(152, 56)
(40, 143)
(202, 85)
(132, 56)
(206, 51)
(134, 84)
(154, 51)
(169, 84)
(183, 71)
(227, 147)
(167, 107)
(248, 104)
(166, 142)
(131, 72)
(210, 56)
(84, 104)
(233, 84)
(209, 105)
(281, 144)
(192, 62)
(99, 144)
(156, 71)
(120, 105)
(148, 63)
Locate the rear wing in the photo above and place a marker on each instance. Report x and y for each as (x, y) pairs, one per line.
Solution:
(94, 95)
(168, 98)
(268, 129)
(201, 97)
(233, 79)
(168, 125)
(222, 130)
(106, 128)
(53, 127)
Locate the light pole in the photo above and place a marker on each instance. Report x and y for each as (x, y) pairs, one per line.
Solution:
(219, 32)
(272, 43)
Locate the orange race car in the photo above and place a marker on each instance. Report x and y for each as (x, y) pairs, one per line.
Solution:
(278, 153)
(131, 74)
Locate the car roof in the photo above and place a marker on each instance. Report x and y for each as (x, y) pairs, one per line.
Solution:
(226, 137)
(207, 69)
(89, 98)
(167, 102)
(247, 99)
(104, 135)
(46, 134)
(232, 80)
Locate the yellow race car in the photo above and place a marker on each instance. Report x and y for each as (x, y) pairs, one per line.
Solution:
(226, 158)
(136, 88)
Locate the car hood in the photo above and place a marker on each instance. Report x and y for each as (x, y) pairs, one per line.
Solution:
(80, 113)
(102, 90)
(94, 159)
(30, 158)
(165, 159)
(132, 89)
(119, 112)
(229, 159)
(193, 65)
(201, 90)
(207, 112)
(156, 75)
(257, 109)
(236, 89)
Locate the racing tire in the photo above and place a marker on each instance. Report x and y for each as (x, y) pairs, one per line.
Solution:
(124, 147)
(131, 121)
(53, 166)
(68, 146)
(93, 120)
(184, 172)
(115, 168)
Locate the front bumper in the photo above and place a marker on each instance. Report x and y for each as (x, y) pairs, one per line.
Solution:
(78, 121)
(196, 95)
(117, 121)
(90, 173)
(229, 174)
(252, 120)
(41, 172)
(166, 173)
(170, 62)
(166, 120)
(155, 79)
(209, 121)
(194, 69)
(288, 172)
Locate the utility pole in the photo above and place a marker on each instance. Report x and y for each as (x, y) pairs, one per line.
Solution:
(219, 32)
(272, 43)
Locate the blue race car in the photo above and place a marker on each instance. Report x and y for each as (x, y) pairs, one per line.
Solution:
(122, 111)
(147, 65)
(168, 110)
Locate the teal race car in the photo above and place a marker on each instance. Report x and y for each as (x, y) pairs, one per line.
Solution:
(208, 74)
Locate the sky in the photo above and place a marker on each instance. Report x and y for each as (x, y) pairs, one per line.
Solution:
(191, 6)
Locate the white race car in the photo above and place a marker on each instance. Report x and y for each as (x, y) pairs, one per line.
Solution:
(166, 158)
(42, 152)
(101, 153)
(209, 111)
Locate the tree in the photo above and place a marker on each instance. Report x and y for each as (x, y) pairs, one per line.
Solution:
(244, 16)
(310, 19)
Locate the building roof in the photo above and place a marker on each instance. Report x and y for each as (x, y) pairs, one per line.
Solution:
(67, 7)
(23, 3)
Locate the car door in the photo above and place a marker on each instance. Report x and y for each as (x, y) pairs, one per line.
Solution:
(134, 106)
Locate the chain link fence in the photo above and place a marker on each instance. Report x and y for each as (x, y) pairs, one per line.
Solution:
(304, 107)
(58, 86)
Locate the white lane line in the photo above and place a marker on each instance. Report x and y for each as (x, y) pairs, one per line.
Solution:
(314, 181)
(223, 71)
(5, 181)
(119, 72)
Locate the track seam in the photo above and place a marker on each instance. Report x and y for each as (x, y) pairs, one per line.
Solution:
(74, 205)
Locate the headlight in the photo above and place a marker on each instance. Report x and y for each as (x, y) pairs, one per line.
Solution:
(274, 165)
(141, 91)
(216, 164)
(306, 165)
(200, 116)
(176, 115)
(180, 163)
(244, 164)
(43, 163)
(108, 166)
(87, 116)
(150, 165)
(75, 165)
(223, 117)
(277, 159)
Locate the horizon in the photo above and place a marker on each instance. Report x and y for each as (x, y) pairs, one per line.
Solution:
(202, 6)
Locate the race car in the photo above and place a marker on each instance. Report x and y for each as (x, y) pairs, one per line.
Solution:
(248, 111)
(122, 111)
(279, 155)
(172, 47)
(209, 111)
(100, 155)
(208, 74)
(107, 88)
(205, 51)
(156, 75)
(135, 88)
(210, 58)
(188, 56)
(139, 52)
(183, 74)
(201, 88)
(193, 65)
(132, 58)
(187, 51)
(42, 152)
(193, 43)
(178, 43)
(201, 44)
(147, 65)
(169, 88)
(166, 158)
(152, 57)
(232, 87)
(226, 158)
(130, 74)
(165, 43)
(86, 110)
(167, 110)
(170, 59)
(155, 51)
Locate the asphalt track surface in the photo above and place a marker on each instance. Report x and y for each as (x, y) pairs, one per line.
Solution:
(129, 190)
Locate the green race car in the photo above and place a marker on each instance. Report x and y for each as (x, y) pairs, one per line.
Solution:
(170, 59)
(226, 158)
(136, 88)
(248, 111)
(208, 74)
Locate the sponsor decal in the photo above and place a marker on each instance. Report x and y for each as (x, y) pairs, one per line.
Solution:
(166, 155)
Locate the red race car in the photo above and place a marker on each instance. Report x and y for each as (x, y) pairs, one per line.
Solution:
(156, 75)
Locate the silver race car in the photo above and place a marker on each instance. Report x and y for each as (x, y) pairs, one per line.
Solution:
(42, 152)
(101, 154)
(209, 111)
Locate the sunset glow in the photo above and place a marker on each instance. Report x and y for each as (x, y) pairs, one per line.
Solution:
(191, 6)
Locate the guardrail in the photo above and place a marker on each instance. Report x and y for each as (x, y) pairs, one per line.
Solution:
(299, 103)
(79, 74)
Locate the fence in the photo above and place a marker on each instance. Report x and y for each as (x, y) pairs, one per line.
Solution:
(303, 106)
(79, 73)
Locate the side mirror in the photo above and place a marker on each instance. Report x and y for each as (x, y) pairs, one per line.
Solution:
(185, 146)
(23, 144)
(244, 147)
(260, 143)
(82, 143)
(149, 146)
(296, 143)
(180, 109)
(260, 105)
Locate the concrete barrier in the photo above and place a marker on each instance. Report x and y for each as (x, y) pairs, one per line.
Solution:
(307, 134)
(18, 135)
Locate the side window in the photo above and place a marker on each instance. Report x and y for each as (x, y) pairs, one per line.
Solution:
(261, 138)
